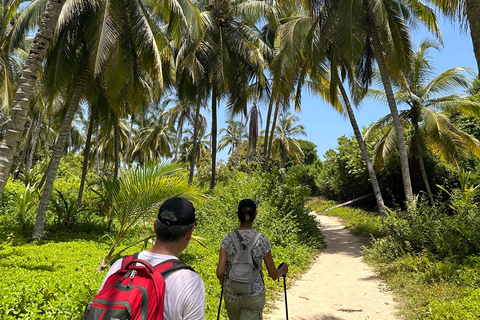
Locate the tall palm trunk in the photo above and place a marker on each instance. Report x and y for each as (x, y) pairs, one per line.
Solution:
(117, 149)
(58, 151)
(473, 12)
(24, 153)
(35, 138)
(49, 127)
(214, 137)
(402, 147)
(86, 153)
(97, 149)
(194, 147)
(272, 132)
(24, 93)
(267, 128)
(179, 135)
(282, 156)
(418, 144)
(129, 141)
(365, 155)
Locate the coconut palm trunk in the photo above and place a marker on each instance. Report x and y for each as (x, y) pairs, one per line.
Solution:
(272, 132)
(35, 138)
(117, 149)
(265, 141)
(179, 135)
(129, 142)
(58, 150)
(97, 151)
(473, 12)
(86, 153)
(194, 147)
(418, 144)
(214, 137)
(402, 147)
(24, 93)
(365, 155)
(24, 153)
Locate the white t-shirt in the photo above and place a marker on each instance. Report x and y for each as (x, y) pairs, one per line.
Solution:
(184, 289)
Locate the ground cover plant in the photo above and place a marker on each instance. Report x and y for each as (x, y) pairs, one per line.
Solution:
(428, 256)
(55, 279)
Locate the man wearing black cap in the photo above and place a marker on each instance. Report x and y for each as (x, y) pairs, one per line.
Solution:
(184, 291)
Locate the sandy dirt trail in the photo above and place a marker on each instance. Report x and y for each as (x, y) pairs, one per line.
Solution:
(339, 285)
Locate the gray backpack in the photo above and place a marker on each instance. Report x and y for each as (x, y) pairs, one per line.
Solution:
(243, 270)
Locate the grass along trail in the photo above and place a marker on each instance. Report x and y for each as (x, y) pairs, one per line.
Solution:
(339, 285)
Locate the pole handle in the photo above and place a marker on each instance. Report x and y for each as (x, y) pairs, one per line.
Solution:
(281, 264)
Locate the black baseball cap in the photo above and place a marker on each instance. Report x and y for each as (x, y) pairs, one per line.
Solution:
(176, 212)
(247, 203)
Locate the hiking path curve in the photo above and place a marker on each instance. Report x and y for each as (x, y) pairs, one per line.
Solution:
(338, 285)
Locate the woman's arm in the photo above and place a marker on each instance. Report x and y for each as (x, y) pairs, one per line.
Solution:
(273, 272)
(222, 265)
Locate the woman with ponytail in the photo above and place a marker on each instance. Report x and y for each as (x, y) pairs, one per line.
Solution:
(246, 305)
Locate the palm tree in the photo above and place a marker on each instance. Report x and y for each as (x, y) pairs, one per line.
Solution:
(254, 119)
(230, 53)
(459, 10)
(203, 144)
(180, 114)
(432, 130)
(73, 104)
(25, 87)
(284, 77)
(95, 96)
(371, 30)
(156, 138)
(137, 195)
(127, 55)
(234, 133)
(12, 55)
(284, 142)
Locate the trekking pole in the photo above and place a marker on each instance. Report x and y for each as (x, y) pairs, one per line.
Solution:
(284, 290)
(220, 305)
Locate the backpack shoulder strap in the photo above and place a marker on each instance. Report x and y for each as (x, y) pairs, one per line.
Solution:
(254, 240)
(172, 265)
(133, 262)
(127, 259)
(251, 244)
(236, 236)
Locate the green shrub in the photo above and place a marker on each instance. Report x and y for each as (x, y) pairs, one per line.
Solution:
(464, 308)
(430, 229)
(18, 204)
(48, 280)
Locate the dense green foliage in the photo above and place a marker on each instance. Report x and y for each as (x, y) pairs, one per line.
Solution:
(55, 279)
(343, 176)
(428, 256)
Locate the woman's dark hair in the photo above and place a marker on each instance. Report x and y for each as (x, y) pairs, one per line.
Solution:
(247, 211)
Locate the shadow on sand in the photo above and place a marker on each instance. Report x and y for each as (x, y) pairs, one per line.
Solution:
(341, 241)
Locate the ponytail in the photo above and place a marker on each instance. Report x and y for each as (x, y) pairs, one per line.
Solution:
(247, 214)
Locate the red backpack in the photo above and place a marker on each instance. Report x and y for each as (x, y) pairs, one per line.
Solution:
(134, 292)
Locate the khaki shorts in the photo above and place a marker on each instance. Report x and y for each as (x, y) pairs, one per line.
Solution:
(249, 308)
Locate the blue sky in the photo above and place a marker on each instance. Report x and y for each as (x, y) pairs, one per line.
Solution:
(324, 125)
